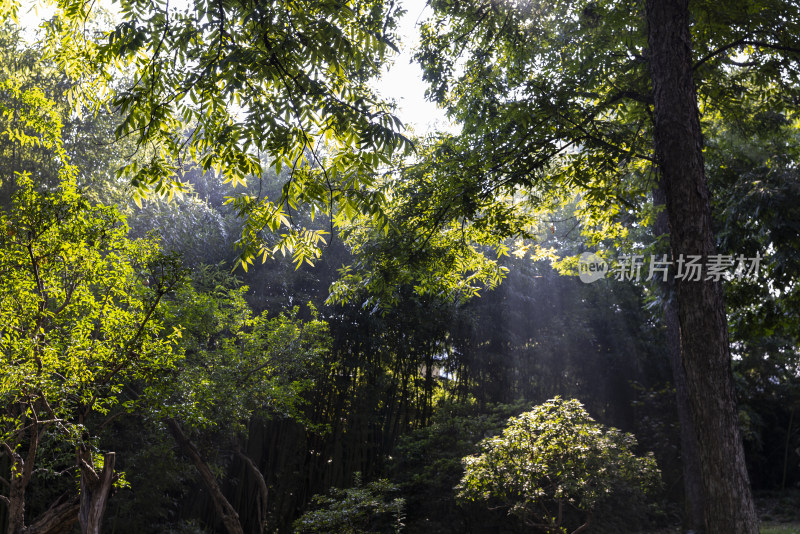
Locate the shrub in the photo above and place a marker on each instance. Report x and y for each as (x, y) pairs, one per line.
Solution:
(357, 510)
(554, 466)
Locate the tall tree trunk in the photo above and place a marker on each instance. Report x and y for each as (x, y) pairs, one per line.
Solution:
(693, 492)
(701, 313)
(95, 490)
(786, 449)
(693, 496)
(222, 506)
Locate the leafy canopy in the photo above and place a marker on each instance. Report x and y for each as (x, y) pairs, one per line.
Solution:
(430, 239)
(556, 97)
(80, 307)
(239, 87)
(239, 365)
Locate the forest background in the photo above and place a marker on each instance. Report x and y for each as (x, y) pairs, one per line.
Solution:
(415, 292)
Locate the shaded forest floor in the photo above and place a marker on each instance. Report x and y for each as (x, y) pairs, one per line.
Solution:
(780, 528)
(767, 527)
(779, 513)
(776, 507)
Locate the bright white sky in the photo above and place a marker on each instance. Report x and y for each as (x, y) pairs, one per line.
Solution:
(401, 83)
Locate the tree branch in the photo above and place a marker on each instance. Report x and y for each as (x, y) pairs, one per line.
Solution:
(228, 514)
(718, 51)
(745, 41)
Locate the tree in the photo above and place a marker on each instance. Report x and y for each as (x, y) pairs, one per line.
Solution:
(239, 367)
(553, 461)
(705, 350)
(227, 84)
(575, 95)
(30, 114)
(85, 138)
(69, 335)
(80, 307)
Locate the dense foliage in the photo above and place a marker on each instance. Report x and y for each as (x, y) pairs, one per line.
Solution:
(149, 383)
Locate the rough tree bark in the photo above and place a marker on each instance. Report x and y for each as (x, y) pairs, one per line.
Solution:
(701, 313)
(18, 483)
(21, 472)
(224, 509)
(694, 499)
(95, 490)
(59, 518)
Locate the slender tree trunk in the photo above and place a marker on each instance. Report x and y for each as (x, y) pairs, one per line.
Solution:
(222, 506)
(263, 491)
(786, 449)
(694, 500)
(95, 491)
(701, 313)
(16, 495)
(427, 407)
(21, 472)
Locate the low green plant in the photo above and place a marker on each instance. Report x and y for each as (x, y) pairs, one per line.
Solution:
(362, 509)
